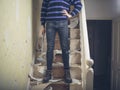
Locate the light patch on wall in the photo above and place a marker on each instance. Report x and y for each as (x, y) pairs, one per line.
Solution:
(118, 5)
(118, 42)
(6, 36)
(17, 10)
(102, 9)
(29, 27)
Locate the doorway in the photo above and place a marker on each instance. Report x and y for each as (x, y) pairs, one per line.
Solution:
(99, 33)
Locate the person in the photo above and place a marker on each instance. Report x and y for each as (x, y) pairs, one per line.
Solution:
(54, 18)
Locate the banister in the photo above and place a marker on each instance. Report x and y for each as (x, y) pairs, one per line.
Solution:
(83, 28)
(86, 61)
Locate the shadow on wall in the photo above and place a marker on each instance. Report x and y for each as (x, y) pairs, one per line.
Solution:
(36, 7)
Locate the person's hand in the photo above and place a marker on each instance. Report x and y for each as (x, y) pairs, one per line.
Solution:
(67, 14)
(43, 30)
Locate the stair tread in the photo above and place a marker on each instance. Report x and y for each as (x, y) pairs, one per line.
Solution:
(60, 51)
(47, 86)
(74, 29)
(58, 64)
(56, 81)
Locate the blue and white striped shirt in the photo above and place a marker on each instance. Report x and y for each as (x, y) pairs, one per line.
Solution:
(53, 9)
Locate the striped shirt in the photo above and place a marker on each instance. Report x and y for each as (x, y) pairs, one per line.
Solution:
(53, 9)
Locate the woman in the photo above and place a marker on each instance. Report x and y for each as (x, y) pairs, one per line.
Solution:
(54, 18)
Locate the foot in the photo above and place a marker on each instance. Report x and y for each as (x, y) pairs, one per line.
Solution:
(67, 77)
(47, 76)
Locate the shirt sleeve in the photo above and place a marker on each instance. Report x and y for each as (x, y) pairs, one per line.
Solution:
(77, 7)
(43, 12)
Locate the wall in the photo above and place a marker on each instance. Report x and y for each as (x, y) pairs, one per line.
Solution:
(115, 66)
(15, 43)
(102, 9)
(36, 20)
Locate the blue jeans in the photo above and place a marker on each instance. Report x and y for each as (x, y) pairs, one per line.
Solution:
(62, 28)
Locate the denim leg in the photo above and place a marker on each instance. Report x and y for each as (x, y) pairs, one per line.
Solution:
(63, 34)
(50, 34)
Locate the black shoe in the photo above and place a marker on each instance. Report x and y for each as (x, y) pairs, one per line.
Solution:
(47, 76)
(67, 76)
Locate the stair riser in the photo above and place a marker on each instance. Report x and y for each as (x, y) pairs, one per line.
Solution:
(56, 46)
(75, 87)
(74, 45)
(57, 87)
(73, 58)
(57, 72)
(60, 87)
(75, 34)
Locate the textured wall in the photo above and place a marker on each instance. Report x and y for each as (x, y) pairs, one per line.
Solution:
(15, 43)
(102, 9)
(36, 19)
(115, 66)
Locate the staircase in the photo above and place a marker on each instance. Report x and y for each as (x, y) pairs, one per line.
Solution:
(58, 71)
(80, 62)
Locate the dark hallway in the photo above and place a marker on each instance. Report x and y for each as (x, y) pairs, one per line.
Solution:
(100, 32)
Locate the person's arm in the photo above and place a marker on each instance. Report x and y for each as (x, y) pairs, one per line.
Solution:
(77, 7)
(43, 16)
(43, 12)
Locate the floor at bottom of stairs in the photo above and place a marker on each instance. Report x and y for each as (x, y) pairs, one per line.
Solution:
(75, 85)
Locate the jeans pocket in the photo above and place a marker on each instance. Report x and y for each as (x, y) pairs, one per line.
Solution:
(49, 24)
(63, 23)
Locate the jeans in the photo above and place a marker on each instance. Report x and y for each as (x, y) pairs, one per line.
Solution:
(62, 28)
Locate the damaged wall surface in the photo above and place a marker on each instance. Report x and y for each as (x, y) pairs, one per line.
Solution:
(15, 43)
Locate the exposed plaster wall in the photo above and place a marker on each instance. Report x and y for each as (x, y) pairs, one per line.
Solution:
(36, 19)
(15, 43)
